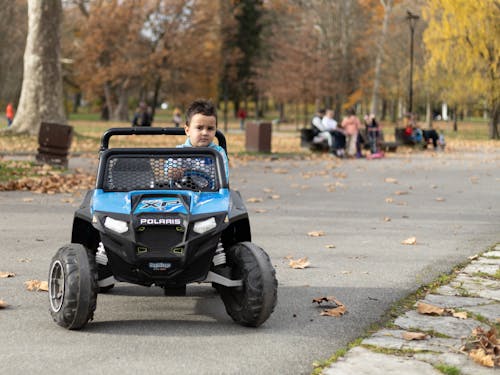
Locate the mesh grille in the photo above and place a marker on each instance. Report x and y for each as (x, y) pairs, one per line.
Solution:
(178, 172)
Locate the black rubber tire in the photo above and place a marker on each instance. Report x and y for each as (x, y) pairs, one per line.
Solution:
(73, 286)
(251, 304)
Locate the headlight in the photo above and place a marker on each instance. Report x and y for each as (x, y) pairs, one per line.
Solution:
(117, 226)
(204, 225)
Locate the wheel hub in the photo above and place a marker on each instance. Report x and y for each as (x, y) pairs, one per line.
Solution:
(56, 286)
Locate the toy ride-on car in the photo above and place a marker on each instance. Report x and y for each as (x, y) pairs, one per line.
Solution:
(161, 217)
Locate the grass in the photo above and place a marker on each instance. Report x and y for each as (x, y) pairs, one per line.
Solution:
(447, 369)
(11, 170)
(320, 365)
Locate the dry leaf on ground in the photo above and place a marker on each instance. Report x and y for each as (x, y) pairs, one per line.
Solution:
(399, 192)
(330, 246)
(275, 196)
(459, 314)
(483, 347)
(473, 257)
(300, 263)
(4, 275)
(408, 336)
(480, 356)
(316, 233)
(27, 199)
(3, 304)
(37, 285)
(428, 309)
(280, 171)
(389, 200)
(410, 241)
(260, 210)
(335, 312)
(254, 200)
(387, 219)
(338, 310)
(391, 180)
(440, 199)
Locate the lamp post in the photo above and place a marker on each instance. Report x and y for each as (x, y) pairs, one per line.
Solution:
(412, 20)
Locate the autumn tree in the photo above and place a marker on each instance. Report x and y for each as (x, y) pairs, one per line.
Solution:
(463, 45)
(41, 94)
(12, 44)
(111, 56)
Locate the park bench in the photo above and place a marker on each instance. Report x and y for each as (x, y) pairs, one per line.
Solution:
(310, 140)
(429, 137)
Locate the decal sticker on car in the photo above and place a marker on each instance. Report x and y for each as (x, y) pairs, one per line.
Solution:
(160, 205)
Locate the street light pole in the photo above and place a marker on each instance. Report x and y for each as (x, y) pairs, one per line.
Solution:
(412, 20)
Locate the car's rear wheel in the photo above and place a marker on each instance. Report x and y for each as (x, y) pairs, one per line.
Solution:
(253, 302)
(72, 286)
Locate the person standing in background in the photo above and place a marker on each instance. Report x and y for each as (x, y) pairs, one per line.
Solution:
(351, 125)
(9, 113)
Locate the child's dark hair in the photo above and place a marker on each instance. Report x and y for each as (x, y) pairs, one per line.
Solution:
(201, 106)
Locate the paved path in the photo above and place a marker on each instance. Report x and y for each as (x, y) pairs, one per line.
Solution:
(366, 208)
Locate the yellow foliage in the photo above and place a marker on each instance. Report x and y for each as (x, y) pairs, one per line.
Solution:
(463, 45)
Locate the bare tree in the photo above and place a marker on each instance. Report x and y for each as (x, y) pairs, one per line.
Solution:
(41, 94)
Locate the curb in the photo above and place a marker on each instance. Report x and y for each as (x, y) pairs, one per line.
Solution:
(445, 343)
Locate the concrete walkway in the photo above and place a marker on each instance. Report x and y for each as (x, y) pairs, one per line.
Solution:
(475, 290)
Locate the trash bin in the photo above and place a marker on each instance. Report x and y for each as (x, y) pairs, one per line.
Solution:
(258, 136)
(54, 142)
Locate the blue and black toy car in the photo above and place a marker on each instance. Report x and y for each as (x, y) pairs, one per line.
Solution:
(161, 217)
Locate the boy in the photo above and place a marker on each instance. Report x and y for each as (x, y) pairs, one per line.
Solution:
(200, 128)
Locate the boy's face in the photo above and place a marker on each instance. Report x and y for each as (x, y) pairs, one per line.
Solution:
(201, 130)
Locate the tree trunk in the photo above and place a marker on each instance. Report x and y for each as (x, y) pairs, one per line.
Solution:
(378, 60)
(493, 123)
(41, 94)
(121, 111)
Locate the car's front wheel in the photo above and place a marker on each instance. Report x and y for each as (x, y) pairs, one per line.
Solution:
(253, 302)
(73, 286)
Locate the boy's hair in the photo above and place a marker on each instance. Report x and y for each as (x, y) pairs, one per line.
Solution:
(201, 106)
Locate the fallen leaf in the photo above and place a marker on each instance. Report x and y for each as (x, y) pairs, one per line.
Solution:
(24, 260)
(3, 304)
(316, 233)
(428, 309)
(345, 272)
(280, 171)
(254, 200)
(338, 310)
(335, 312)
(4, 275)
(27, 199)
(330, 246)
(300, 263)
(399, 192)
(391, 180)
(408, 336)
(389, 200)
(460, 314)
(275, 196)
(473, 257)
(267, 190)
(387, 219)
(410, 241)
(37, 285)
(480, 356)
(260, 210)
(440, 199)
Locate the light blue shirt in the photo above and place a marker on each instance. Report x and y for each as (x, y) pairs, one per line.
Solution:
(215, 147)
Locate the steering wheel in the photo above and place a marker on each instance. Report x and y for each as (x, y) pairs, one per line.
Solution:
(194, 180)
